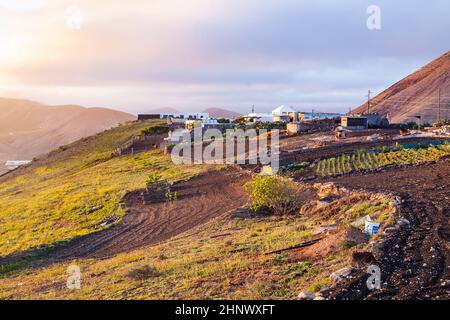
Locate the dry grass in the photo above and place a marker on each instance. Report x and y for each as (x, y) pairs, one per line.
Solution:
(73, 194)
(221, 259)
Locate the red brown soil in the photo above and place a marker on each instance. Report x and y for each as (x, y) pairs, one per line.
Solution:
(330, 244)
(415, 260)
(199, 200)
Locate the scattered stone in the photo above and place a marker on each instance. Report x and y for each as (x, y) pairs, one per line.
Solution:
(403, 222)
(341, 274)
(323, 289)
(361, 222)
(325, 229)
(108, 221)
(306, 295)
(322, 203)
(95, 208)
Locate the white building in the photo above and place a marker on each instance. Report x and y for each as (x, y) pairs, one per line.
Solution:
(185, 115)
(283, 111)
(191, 124)
(177, 136)
(14, 164)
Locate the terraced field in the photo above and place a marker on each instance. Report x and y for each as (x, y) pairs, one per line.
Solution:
(370, 160)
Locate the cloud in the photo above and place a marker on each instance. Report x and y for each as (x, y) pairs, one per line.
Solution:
(200, 53)
(22, 5)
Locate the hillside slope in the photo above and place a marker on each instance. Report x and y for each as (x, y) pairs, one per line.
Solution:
(28, 129)
(417, 94)
(72, 190)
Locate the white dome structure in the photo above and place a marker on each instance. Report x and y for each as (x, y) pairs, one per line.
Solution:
(283, 110)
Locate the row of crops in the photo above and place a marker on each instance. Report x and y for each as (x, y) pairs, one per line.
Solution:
(369, 160)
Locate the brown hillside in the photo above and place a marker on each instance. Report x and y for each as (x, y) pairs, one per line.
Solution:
(417, 94)
(28, 129)
(222, 113)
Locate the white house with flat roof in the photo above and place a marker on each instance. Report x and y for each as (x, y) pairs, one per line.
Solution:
(14, 164)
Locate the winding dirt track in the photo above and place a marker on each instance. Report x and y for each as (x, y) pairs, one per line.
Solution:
(199, 200)
(416, 260)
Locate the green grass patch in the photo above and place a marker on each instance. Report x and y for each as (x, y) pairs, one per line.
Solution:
(77, 188)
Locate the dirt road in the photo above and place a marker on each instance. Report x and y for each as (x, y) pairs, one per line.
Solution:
(199, 200)
(416, 260)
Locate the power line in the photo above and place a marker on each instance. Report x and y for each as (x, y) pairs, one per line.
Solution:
(439, 105)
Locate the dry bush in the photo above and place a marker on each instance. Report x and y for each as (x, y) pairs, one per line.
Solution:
(143, 273)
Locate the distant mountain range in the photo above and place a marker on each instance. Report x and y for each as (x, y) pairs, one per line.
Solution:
(163, 110)
(416, 95)
(28, 128)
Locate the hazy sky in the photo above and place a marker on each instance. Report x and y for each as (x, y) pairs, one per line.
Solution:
(137, 55)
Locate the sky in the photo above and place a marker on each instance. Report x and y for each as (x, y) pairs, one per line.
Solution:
(138, 55)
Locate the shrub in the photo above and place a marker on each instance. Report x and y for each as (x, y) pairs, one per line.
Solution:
(143, 273)
(270, 125)
(155, 130)
(153, 178)
(278, 194)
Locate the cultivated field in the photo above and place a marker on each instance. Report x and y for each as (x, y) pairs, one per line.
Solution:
(370, 160)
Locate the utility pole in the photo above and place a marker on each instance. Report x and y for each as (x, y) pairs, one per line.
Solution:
(253, 108)
(368, 101)
(419, 118)
(439, 105)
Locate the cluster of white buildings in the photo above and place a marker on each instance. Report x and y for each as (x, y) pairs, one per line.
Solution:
(289, 114)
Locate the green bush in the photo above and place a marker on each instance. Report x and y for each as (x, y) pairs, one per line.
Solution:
(278, 194)
(153, 178)
(155, 130)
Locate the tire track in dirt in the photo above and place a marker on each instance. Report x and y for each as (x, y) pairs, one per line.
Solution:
(415, 261)
(199, 200)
